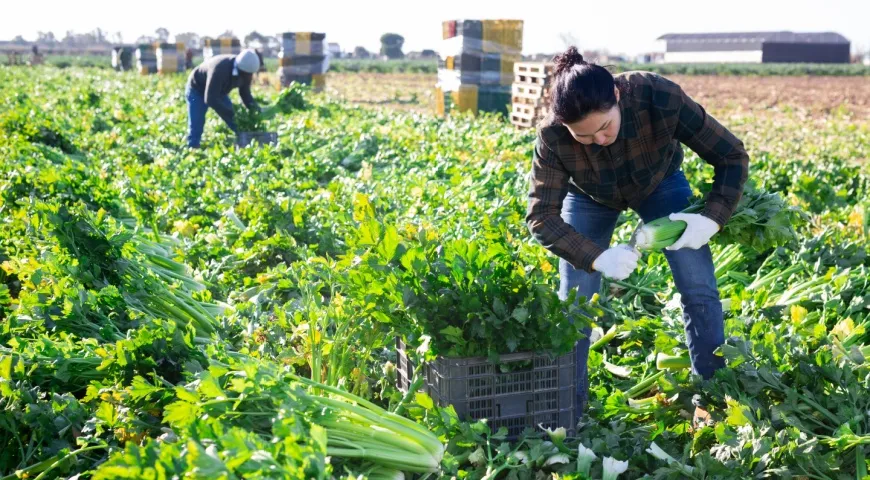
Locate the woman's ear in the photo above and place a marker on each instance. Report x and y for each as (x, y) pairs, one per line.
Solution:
(616, 91)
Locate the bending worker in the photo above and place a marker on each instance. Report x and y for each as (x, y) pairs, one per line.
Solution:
(614, 143)
(209, 86)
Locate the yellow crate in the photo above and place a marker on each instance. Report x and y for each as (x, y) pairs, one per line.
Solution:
(502, 36)
(513, 35)
(503, 32)
(169, 62)
(450, 63)
(303, 36)
(490, 36)
(439, 102)
(465, 98)
(177, 46)
(508, 61)
(445, 30)
(303, 47)
(493, 36)
(318, 82)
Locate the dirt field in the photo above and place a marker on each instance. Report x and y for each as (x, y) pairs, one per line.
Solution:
(817, 96)
(812, 97)
(409, 92)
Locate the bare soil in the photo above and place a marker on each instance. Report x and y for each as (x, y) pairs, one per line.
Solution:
(815, 98)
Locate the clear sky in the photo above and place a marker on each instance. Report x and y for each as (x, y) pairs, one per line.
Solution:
(626, 26)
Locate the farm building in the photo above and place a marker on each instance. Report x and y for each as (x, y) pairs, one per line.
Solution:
(756, 47)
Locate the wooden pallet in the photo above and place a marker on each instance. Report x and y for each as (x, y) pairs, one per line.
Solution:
(527, 116)
(529, 111)
(534, 69)
(535, 102)
(522, 122)
(531, 92)
(531, 95)
(531, 80)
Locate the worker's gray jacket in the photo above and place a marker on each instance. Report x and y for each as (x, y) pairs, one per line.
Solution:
(214, 79)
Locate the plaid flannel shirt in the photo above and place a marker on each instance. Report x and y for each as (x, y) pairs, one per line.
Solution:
(657, 116)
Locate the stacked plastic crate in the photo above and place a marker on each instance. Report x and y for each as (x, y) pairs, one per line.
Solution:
(170, 57)
(122, 56)
(146, 59)
(530, 93)
(303, 59)
(476, 66)
(221, 46)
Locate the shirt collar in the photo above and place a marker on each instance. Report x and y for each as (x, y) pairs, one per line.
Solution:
(235, 68)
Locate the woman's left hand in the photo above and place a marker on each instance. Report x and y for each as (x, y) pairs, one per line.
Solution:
(699, 230)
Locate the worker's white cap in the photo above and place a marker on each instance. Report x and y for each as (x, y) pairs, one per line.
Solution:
(248, 61)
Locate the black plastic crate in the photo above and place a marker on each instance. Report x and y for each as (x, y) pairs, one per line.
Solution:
(536, 389)
(262, 138)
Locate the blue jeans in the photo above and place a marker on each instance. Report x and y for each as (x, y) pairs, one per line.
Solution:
(196, 109)
(693, 273)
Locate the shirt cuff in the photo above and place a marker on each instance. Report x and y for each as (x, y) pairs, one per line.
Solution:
(717, 211)
(585, 256)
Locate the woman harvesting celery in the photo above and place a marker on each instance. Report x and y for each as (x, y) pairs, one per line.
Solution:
(613, 143)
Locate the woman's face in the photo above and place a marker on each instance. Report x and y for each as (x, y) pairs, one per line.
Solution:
(600, 128)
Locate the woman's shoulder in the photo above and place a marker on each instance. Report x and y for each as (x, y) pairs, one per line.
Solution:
(650, 88)
(550, 132)
(642, 77)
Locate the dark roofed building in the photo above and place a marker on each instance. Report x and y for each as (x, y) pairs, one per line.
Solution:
(756, 47)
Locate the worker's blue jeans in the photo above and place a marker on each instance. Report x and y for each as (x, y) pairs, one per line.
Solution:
(196, 109)
(692, 270)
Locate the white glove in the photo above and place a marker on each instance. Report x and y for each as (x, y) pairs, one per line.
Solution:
(699, 230)
(617, 262)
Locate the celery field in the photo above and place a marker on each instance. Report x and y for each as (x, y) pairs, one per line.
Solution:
(232, 313)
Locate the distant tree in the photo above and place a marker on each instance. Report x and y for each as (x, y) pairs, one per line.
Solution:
(19, 39)
(428, 53)
(333, 49)
(227, 34)
(568, 40)
(46, 38)
(272, 44)
(256, 40)
(79, 39)
(145, 39)
(117, 38)
(162, 34)
(361, 52)
(99, 36)
(391, 45)
(189, 39)
(594, 55)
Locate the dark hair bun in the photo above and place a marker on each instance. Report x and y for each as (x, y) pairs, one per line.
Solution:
(566, 60)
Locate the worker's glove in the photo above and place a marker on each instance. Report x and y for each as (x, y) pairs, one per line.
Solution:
(617, 262)
(699, 230)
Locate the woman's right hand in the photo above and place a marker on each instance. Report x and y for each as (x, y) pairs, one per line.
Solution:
(617, 262)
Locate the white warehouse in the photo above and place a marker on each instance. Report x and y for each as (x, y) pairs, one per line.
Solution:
(756, 47)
